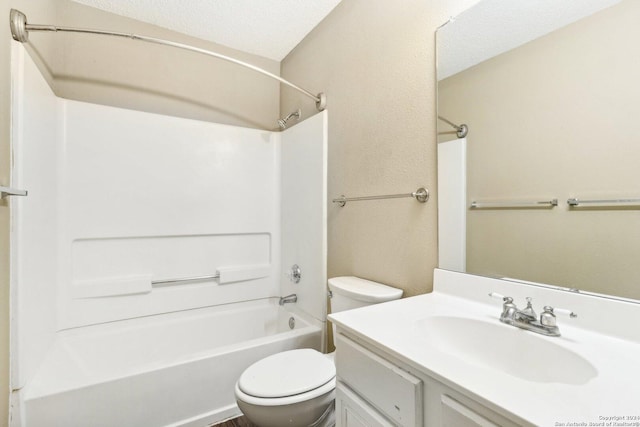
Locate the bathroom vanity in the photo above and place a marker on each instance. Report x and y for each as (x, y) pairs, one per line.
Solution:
(378, 389)
(446, 359)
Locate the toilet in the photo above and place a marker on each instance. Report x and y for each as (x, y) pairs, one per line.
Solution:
(296, 388)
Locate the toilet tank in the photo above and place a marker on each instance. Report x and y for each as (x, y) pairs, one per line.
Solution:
(349, 292)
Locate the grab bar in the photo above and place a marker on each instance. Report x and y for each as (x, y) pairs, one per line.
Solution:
(224, 275)
(573, 202)
(515, 204)
(185, 279)
(7, 191)
(421, 195)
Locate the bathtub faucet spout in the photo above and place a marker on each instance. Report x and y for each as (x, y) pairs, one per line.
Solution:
(288, 299)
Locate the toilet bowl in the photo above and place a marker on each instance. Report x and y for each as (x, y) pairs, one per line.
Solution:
(296, 388)
(292, 388)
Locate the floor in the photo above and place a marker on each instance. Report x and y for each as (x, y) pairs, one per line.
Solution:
(236, 422)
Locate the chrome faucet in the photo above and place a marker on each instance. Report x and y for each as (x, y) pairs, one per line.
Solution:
(288, 299)
(527, 315)
(527, 318)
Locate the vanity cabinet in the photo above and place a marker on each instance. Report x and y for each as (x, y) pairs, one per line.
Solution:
(374, 390)
(394, 392)
(447, 407)
(352, 411)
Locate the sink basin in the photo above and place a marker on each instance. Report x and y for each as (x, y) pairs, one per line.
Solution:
(506, 349)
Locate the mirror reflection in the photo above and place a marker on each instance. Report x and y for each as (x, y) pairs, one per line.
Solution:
(552, 118)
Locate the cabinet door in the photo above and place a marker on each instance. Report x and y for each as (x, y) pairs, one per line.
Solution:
(394, 391)
(445, 407)
(351, 411)
(455, 414)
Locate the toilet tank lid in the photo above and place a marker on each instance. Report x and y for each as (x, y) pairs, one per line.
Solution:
(363, 290)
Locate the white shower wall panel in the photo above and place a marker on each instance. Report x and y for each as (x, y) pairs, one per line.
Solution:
(136, 173)
(34, 219)
(149, 197)
(304, 212)
(132, 172)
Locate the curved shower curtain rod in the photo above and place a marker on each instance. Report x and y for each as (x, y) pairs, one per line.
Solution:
(20, 32)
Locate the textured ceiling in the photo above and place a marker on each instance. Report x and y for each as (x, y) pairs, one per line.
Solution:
(492, 27)
(269, 28)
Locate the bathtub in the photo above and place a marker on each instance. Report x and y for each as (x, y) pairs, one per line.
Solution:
(175, 369)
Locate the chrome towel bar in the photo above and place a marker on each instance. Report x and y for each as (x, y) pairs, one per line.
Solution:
(421, 195)
(573, 202)
(515, 204)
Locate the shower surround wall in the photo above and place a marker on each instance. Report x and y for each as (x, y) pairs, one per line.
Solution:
(120, 198)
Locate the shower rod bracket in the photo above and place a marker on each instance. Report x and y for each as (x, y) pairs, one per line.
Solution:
(20, 32)
(461, 130)
(321, 103)
(18, 23)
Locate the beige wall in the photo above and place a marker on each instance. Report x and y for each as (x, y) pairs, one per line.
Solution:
(555, 118)
(375, 61)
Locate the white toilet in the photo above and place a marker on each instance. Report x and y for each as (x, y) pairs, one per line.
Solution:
(296, 388)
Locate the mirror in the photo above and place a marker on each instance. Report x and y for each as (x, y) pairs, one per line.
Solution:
(551, 96)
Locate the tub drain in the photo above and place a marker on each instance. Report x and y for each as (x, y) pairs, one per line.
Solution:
(292, 323)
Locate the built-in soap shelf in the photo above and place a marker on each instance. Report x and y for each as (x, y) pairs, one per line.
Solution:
(143, 284)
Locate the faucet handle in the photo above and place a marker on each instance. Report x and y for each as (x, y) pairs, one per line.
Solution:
(499, 296)
(507, 301)
(562, 311)
(508, 307)
(548, 316)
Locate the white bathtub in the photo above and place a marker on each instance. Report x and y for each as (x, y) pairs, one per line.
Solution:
(175, 369)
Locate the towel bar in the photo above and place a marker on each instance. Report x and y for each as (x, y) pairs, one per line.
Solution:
(421, 195)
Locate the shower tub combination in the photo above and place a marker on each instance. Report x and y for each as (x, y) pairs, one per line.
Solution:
(176, 369)
(109, 327)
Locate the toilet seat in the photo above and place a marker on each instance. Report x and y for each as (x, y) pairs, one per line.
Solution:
(286, 378)
(289, 400)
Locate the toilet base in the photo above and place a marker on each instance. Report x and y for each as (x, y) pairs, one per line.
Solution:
(328, 419)
(317, 412)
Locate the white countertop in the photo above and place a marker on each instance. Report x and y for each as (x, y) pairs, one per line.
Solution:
(397, 328)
